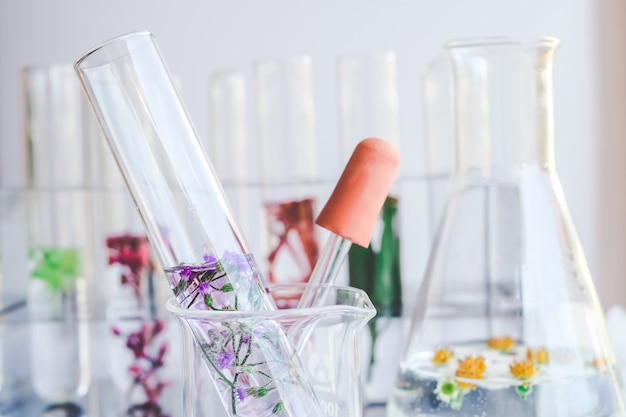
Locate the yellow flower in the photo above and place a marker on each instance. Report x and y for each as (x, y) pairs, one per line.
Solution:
(442, 356)
(539, 356)
(472, 368)
(600, 364)
(501, 343)
(523, 370)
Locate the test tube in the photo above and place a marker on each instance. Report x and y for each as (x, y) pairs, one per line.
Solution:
(369, 106)
(134, 292)
(288, 161)
(229, 146)
(440, 146)
(190, 225)
(60, 250)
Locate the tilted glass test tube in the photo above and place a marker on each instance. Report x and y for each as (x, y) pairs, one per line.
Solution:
(190, 225)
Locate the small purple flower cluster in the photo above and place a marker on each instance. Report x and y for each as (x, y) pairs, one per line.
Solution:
(210, 284)
(233, 350)
(144, 369)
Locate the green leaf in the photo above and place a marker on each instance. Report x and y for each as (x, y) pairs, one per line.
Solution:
(227, 287)
(280, 406)
(208, 300)
(387, 293)
(181, 287)
(361, 262)
(57, 267)
(258, 392)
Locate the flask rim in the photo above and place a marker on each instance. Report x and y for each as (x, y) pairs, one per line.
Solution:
(547, 41)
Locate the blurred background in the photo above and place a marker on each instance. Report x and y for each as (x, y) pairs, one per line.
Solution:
(201, 40)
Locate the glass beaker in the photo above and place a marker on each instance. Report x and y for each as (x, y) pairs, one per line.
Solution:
(507, 319)
(325, 339)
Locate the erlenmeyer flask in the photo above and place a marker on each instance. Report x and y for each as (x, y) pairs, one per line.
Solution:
(507, 319)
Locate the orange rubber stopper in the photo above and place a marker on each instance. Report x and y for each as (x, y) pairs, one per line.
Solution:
(352, 209)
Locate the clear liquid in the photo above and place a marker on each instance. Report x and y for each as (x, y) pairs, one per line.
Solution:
(582, 392)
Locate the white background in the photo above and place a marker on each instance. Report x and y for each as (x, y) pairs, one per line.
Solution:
(198, 38)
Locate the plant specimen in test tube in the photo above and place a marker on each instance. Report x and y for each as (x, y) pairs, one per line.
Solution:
(293, 229)
(148, 360)
(152, 138)
(377, 271)
(57, 267)
(132, 254)
(241, 354)
(217, 284)
(249, 359)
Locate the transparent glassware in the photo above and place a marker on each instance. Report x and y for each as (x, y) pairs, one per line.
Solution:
(15, 387)
(369, 106)
(134, 293)
(59, 237)
(289, 174)
(5, 205)
(326, 339)
(189, 222)
(229, 148)
(439, 151)
(507, 319)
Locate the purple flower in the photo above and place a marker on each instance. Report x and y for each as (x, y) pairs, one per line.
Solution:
(185, 273)
(209, 259)
(136, 343)
(204, 288)
(235, 263)
(240, 393)
(225, 359)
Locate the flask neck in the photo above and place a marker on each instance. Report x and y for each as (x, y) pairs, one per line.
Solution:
(503, 105)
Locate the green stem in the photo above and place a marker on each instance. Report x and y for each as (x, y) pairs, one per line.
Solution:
(374, 334)
(216, 277)
(239, 346)
(222, 376)
(233, 394)
(193, 300)
(268, 376)
(248, 353)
